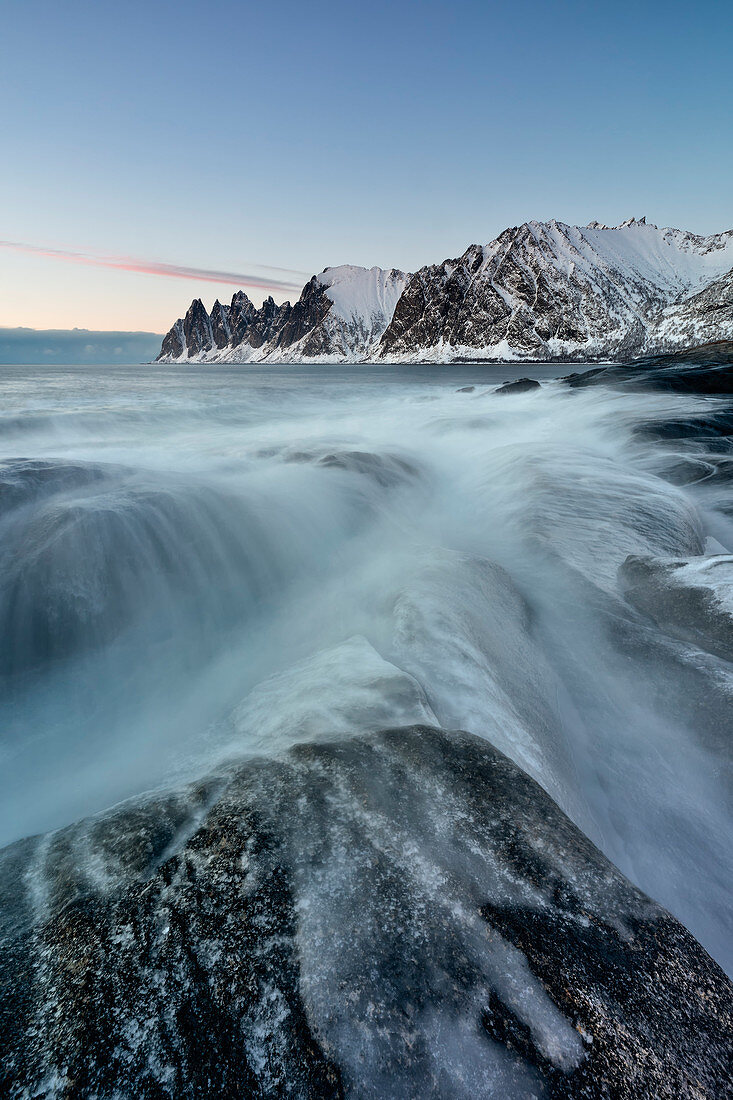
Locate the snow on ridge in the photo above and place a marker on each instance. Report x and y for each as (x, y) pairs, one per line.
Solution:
(673, 261)
(360, 293)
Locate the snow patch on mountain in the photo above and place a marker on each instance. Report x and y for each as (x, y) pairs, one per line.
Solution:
(358, 293)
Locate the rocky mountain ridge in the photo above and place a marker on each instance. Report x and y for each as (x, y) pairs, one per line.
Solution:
(540, 291)
(341, 315)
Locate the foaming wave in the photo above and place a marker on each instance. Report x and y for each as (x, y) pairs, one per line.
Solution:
(201, 565)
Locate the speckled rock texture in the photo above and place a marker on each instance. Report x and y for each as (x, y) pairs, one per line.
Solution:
(404, 914)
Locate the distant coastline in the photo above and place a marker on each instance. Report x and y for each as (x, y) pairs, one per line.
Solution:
(28, 346)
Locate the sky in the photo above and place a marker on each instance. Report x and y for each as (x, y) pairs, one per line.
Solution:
(154, 152)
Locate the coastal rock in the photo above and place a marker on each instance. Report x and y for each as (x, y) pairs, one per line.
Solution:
(403, 913)
(700, 369)
(521, 385)
(690, 599)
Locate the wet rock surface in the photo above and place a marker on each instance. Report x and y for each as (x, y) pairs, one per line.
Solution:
(521, 385)
(692, 600)
(400, 914)
(699, 369)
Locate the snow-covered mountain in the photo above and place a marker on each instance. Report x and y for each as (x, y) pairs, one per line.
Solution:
(699, 319)
(340, 316)
(548, 291)
(542, 290)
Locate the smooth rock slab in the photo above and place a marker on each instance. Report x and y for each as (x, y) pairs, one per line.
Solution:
(404, 914)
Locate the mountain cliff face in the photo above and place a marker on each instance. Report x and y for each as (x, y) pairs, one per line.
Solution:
(540, 291)
(549, 291)
(704, 317)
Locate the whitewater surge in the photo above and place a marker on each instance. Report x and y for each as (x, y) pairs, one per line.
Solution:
(198, 565)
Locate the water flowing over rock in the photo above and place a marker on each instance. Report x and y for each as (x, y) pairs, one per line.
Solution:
(397, 914)
(692, 599)
(219, 588)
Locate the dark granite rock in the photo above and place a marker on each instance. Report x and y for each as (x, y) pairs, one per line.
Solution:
(521, 385)
(173, 344)
(403, 914)
(197, 331)
(220, 327)
(706, 431)
(266, 323)
(693, 469)
(305, 316)
(241, 314)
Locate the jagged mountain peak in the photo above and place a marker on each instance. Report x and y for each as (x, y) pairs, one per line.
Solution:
(240, 301)
(341, 314)
(540, 290)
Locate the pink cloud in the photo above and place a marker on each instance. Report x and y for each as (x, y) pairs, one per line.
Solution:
(170, 271)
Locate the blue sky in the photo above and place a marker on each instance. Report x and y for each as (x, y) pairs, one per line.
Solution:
(225, 135)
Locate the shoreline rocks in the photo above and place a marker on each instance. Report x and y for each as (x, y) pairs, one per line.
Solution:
(403, 913)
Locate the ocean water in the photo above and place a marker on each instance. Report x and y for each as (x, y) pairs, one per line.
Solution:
(199, 564)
